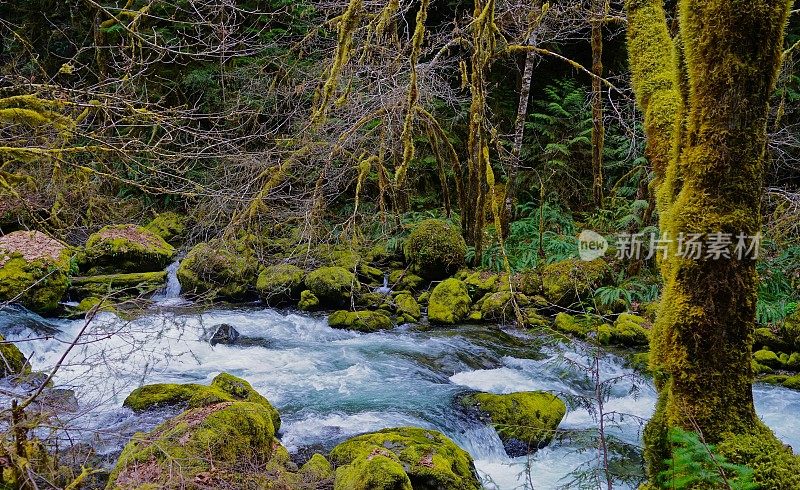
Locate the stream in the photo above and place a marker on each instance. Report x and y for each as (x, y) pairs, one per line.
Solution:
(331, 384)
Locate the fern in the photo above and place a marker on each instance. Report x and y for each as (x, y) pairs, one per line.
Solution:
(695, 464)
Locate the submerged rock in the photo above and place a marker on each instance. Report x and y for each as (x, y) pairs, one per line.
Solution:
(332, 285)
(403, 458)
(125, 248)
(525, 421)
(435, 249)
(224, 334)
(33, 270)
(227, 270)
(449, 302)
(280, 283)
(224, 388)
(363, 321)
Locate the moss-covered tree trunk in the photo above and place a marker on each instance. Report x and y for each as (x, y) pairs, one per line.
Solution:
(705, 97)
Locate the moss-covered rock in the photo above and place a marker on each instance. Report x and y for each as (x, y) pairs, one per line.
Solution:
(406, 305)
(308, 301)
(125, 248)
(449, 302)
(525, 421)
(405, 280)
(403, 458)
(12, 361)
(217, 268)
(630, 331)
(224, 388)
(279, 283)
(216, 446)
(317, 468)
(571, 280)
(773, 464)
(170, 226)
(435, 249)
(480, 283)
(363, 321)
(533, 319)
(117, 286)
(424, 298)
(529, 282)
(577, 325)
(766, 337)
(33, 270)
(497, 306)
(332, 285)
(767, 358)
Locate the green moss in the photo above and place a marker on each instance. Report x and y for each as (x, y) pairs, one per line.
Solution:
(403, 279)
(12, 361)
(497, 306)
(117, 286)
(169, 226)
(407, 305)
(765, 337)
(449, 302)
(424, 298)
(579, 325)
(533, 319)
(363, 321)
(767, 358)
(430, 460)
(227, 270)
(316, 469)
(279, 283)
(793, 362)
(525, 421)
(308, 301)
(773, 464)
(226, 441)
(332, 285)
(572, 280)
(223, 388)
(125, 248)
(529, 282)
(33, 270)
(435, 249)
(480, 283)
(630, 331)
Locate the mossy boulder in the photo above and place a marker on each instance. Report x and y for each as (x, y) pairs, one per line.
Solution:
(125, 248)
(217, 268)
(577, 325)
(435, 249)
(407, 306)
(767, 338)
(405, 280)
(525, 421)
(529, 282)
(279, 283)
(117, 286)
(497, 306)
(317, 468)
(630, 330)
(363, 321)
(12, 361)
(767, 358)
(222, 445)
(568, 281)
(224, 388)
(332, 285)
(773, 464)
(33, 270)
(533, 319)
(308, 301)
(480, 283)
(170, 226)
(449, 302)
(403, 458)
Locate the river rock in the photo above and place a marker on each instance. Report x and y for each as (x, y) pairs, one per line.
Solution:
(525, 421)
(568, 281)
(224, 334)
(403, 458)
(277, 284)
(33, 270)
(449, 302)
(332, 285)
(125, 248)
(219, 269)
(435, 249)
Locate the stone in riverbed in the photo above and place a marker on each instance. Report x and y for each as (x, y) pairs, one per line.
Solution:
(435, 249)
(449, 302)
(363, 321)
(525, 421)
(224, 334)
(403, 458)
(277, 284)
(125, 248)
(332, 285)
(217, 268)
(117, 286)
(33, 270)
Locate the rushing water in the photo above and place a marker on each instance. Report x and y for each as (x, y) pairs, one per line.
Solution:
(330, 384)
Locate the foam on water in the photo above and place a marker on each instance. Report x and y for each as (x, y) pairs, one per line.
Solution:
(331, 384)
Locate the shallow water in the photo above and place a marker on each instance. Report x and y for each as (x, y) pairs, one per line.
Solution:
(331, 384)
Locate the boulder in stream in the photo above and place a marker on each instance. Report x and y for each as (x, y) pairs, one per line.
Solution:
(449, 302)
(217, 268)
(525, 421)
(402, 459)
(363, 321)
(224, 334)
(332, 285)
(277, 284)
(33, 270)
(125, 248)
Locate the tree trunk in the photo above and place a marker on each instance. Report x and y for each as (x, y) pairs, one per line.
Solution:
(706, 107)
(598, 128)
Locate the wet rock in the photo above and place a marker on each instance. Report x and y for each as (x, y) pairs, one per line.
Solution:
(125, 248)
(33, 270)
(224, 334)
(435, 249)
(449, 302)
(220, 269)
